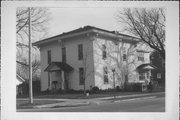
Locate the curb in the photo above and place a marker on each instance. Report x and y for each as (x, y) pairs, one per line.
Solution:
(61, 105)
(126, 96)
(142, 98)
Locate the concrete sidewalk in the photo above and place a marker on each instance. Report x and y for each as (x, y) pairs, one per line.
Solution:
(135, 95)
(83, 102)
(64, 104)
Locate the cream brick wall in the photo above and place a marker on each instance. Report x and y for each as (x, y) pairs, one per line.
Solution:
(55, 56)
(114, 60)
(71, 59)
(92, 49)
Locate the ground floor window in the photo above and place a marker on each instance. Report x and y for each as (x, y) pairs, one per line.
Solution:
(148, 75)
(49, 79)
(142, 76)
(81, 76)
(105, 70)
(159, 75)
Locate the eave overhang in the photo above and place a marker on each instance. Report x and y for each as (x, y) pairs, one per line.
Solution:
(93, 31)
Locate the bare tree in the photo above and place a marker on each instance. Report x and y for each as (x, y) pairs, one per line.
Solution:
(125, 59)
(120, 56)
(39, 19)
(39, 26)
(148, 24)
(23, 67)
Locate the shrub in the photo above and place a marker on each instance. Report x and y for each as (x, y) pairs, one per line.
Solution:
(150, 86)
(118, 88)
(72, 91)
(36, 87)
(47, 90)
(133, 87)
(95, 89)
(25, 87)
(137, 87)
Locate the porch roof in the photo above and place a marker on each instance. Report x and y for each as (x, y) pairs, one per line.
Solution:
(147, 66)
(56, 66)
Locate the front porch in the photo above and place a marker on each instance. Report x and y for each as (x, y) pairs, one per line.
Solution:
(145, 72)
(58, 76)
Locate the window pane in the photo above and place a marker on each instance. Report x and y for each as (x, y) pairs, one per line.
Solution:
(49, 56)
(105, 75)
(124, 57)
(159, 75)
(49, 79)
(64, 54)
(104, 54)
(141, 57)
(141, 76)
(80, 51)
(81, 76)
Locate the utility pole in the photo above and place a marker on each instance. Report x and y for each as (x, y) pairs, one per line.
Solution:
(30, 63)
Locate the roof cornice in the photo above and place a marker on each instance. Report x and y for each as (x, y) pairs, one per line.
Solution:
(104, 33)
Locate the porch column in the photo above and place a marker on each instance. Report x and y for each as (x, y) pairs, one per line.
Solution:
(150, 75)
(62, 78)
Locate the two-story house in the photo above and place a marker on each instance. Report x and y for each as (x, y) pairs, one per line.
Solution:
(90, 56)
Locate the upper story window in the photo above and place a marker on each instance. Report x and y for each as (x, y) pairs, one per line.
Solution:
(124, 54)
(105, 71)
(81, 76)
(80, 51)
(140, 56)
(104, 53)
(49, 56)
(124, 57)
(63, 54)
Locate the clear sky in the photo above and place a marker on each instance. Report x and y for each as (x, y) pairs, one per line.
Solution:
(67, 19)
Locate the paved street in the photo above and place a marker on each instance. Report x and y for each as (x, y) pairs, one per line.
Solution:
(148, 104)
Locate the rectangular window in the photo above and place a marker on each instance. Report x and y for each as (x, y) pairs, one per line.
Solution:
(49, 56)
(80, 51)
(141, 76)
(140, 57)
(104, 53)
(159, 75)
(124, 57)
(81, 76)
(64, 54)
(105, 70)
(148, 75)
(124, 54)
(49, 79)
